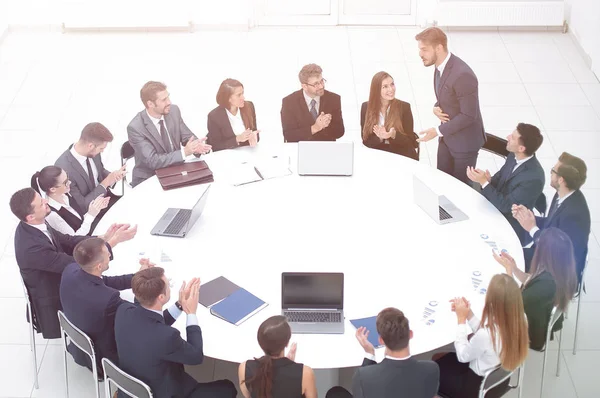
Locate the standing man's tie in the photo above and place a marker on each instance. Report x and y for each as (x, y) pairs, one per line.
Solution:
(313, 109)
(165, 136)
(436, 80)
(90, 172)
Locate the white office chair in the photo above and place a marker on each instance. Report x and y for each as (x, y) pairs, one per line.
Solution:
(580, 292)
(128, 384)
(83, 342)
(554, 317)
(31, 336)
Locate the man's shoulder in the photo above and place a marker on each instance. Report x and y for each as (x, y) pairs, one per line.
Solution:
(137, 121)
(331, 95)
(64, 159)
(292, 96)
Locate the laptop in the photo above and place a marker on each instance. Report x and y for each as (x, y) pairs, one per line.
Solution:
(325, 158)
(179, 222)
(313, 302)
(436, 206)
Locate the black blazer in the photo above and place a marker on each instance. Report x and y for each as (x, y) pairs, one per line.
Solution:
(91, 304)
(220, 134)
(538, 300)
(573, 218)
(522, 187)
(403, 144)
(154, 352)
(459, 99)
(408, 378)
(296, 120)
(41, 264)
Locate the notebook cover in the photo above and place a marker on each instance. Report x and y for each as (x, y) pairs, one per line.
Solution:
(370, 324)
(238, 307)
(216, 290)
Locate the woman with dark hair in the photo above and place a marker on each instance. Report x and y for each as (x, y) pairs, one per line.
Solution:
(386, 123)
(552, 281)
(65, 216)
(233, 122)
(275, 375)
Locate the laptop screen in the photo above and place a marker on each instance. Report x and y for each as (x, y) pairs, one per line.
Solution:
(312, 290)
(325, 158)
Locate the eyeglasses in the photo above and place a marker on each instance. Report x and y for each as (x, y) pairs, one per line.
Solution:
(66, 183)
(319, 83)
(552, 171)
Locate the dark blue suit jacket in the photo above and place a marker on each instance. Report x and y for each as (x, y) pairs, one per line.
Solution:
(91, 304)
(522, 187)
(154, 352)
(459, 99)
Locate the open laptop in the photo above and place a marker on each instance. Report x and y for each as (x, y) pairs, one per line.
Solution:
(436, 206)
(313, 302)
(178, 222)
(325, 158)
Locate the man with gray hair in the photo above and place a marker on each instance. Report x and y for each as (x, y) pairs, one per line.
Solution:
(312, 113)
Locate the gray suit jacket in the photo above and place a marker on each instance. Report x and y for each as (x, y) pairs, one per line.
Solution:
(81, 187)
(150, 153)
(408, 378)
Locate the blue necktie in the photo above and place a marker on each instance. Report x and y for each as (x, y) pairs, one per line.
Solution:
(313, 109)
(437, 78)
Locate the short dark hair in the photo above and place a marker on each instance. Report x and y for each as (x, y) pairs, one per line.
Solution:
(21, 203)
(148, 284)
(393, 328)
(573, 170)
(531, 137)
(96, 133)
(88, 252)
(433, 36)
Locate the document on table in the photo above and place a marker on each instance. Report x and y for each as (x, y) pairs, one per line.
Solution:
(261, 169)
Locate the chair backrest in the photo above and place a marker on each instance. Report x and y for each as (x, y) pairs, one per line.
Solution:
(493, 378)
(540, 204)
(126, 383)
(495, 145)
(554, 317)
(127, 152)
(78, 337)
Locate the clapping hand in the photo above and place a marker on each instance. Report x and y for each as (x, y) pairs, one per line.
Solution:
(505, 260)
(146, 263)
(362, 335)
(291, 355)
(188, 296)
(524, 216)
(253, 140)
(243, 137)
(97, 205)
(479, 176)
(462, 308)
(381, 132)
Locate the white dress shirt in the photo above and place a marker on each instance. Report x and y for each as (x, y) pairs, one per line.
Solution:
(156, 124)
(441, 69)
(560, 202)
(519, 162)
(372, 357)
(309, 100)
(59, 224)
(236, 122)
(82, 160)
(479, 351)
(42, 227)
(191, 320)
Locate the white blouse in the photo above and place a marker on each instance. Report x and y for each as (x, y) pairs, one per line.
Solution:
(59, 224)
(237, 124)
(479, 351)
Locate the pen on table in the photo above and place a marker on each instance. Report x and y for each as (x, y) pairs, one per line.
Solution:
(258, 172)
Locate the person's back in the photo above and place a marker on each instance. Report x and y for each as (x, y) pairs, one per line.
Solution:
(287, 377)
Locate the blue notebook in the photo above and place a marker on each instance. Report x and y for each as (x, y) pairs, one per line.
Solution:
(371, 326)
(238, 306)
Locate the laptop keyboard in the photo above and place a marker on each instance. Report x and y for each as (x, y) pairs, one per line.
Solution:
(444, 215)
(181, 218)
(324, 317)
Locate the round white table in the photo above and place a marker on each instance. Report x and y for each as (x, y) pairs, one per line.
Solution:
(366, 226)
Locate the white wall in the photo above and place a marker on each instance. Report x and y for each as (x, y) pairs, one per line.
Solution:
(583, 17)
(3, 19)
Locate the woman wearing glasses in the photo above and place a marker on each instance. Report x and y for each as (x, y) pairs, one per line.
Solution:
(233, 123)
(386, 122)
(65, 215)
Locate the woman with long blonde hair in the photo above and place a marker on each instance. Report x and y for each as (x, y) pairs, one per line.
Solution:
(500, 338)
(386, 122)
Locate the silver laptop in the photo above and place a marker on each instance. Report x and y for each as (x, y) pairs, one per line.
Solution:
(436, 206)
(179, 222)
(325, 158)
(313, 302)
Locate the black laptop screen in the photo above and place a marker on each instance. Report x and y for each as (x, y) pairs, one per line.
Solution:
(312, 290)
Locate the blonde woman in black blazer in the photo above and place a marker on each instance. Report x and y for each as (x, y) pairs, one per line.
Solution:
(233, 123)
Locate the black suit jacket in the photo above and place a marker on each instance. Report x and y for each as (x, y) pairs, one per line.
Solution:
(522, 187)
(91, 304)
(538, 300)
(220, 134)
(296, 119)
(403, 144)
(390, 378)
(573, 218)
(154, 352)
(459, 98)
(41, 264)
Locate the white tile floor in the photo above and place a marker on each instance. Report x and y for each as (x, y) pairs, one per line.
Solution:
(52, 84)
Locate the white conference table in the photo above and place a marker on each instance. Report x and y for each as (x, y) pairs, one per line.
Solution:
(366, 226)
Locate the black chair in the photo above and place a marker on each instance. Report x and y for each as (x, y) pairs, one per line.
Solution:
(495, 145)
(124, 382)
(494, 378)
(127, 153)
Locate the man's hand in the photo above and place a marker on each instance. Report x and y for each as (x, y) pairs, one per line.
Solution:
(477, 175)
(245, 136)
(114, 177)
(145, 264)
(362, 335)
(524, 216)
(437, 111)
(505, 260)
(97, 205)
(253, 140)
(322, 122)
(427, 135)
(123, 233)
(196, 146)
(291, 355)
(189, 301)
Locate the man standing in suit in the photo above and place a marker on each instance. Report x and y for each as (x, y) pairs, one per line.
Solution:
(312, 113)
(456, 89)
(83, 164)
(90, 300)
(43, 253)
(398, 375)
(154, 352)
(568, 212)
(158, 134)
(521, 178)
